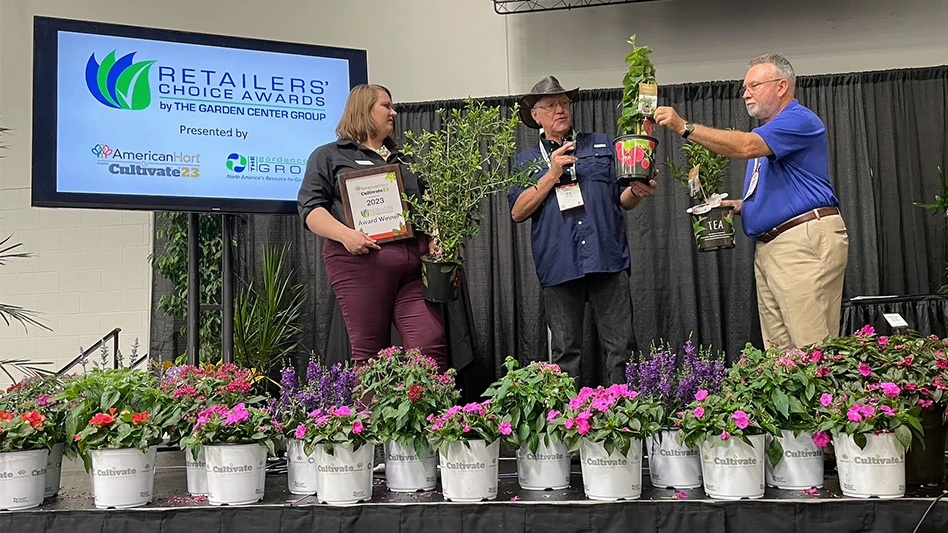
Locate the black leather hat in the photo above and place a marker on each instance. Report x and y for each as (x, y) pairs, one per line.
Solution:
(548, 86)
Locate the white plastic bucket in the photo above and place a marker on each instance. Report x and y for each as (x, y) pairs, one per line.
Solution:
(123, 477)
(733, 470)
(672, 465)
(548, 469)
(611, 476)
(345, 476)
(236, 473)
(469, 473)
(877, 470)
(405, 473)
(22, 479)
(800, 467)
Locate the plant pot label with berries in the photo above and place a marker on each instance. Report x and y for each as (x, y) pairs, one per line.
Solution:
(635, 157)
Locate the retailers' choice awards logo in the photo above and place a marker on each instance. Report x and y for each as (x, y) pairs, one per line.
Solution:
(236, 163)
(119, 83)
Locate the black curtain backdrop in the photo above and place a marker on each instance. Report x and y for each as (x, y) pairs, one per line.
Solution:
(887, 136)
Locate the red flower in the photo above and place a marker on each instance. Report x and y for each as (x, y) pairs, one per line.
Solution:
(34, 418)
(102, 419)
(138, 418)
(5, 416)
(414, 392)
(76, 437)
(111, 410)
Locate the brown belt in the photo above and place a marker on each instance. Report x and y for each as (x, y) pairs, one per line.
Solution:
(796, 221)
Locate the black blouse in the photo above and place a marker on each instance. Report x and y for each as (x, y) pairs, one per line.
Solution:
(320, 186)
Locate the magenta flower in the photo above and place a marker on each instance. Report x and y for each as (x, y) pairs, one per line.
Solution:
(699, 412)
(866, 331)
(576, 402)
(925, 403)
(853, 414)
(300, 431)
(322, 419)
(582, 426)
(681, 495)
(466, 429)
(888, 411)
(883, 340)
(826, 399)
(865, 369)
(701, 395)
(357, 427)
(890, 389)
(740, 419)
(820, 438)
(343, 411)
(725, 435)
(551, 416)
(315, 413)
(238, 414)
(505, 428)
(569, 423)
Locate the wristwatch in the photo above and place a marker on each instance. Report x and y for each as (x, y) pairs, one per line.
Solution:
(689, 127)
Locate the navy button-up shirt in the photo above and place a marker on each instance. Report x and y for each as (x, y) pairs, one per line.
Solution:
(589, 239)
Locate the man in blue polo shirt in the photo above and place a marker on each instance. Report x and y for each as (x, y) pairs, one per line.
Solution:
(578, 230)
(788, 205)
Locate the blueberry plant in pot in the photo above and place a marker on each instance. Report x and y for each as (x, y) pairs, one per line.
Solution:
(460, 164)
(704, 175)
(635, 146)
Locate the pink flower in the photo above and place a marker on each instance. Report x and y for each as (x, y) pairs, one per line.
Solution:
(237, 414)
(725, 435)
(822, 371)
(699, 412)
(812, 491)
(515, 499)
(681, 495)
(853, 414)
(865, 369)
(826, 399)
(910, 386)
(816, 356)
(820, 438)
(585, 415)
(602, 404)
(466, 429)
(551, 416)
(430, 417)
(740, 419)
(357, 427)
(576, 402)
(505, 428)
(883, 340)
(701, 395)
(866, 331)
(300, 431)
(582, 426)
(322, 419)
(315, 413)
(569, 423)
(343, 411)
(887, 410)
(890, 389)
(925, 403)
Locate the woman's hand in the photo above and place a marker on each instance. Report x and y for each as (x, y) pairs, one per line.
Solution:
(358, 243)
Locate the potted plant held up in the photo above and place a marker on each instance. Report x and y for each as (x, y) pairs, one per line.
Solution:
(635, 146)
(712, 223)
(461, 164)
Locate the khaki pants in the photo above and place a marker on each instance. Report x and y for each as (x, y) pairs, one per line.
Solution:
(800, 282)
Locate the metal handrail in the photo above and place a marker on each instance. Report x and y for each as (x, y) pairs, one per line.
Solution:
(114, 334)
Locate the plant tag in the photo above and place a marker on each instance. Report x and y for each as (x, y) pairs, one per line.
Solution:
(895, 320)
(694, 182)
(648, 98)
(569, 196)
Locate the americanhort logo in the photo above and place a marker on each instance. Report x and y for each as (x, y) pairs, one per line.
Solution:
(119, 83)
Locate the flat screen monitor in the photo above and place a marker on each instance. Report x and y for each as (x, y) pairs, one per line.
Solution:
(144, 118)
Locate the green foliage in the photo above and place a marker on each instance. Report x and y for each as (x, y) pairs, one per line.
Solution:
(23, 431)
(405, 388)
(526, 397)
(337, 426)
(461, 164)
(719, 417)
(115, 429)
(641, 70)
(266, 318)
(239, 424)
(37, 393)
(16, 313)
(172, 264)
(712, 172)
(474, 421)
(939, 206)
(611, 416)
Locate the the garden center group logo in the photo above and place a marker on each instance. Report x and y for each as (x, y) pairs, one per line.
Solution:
(119, 83)
(265, 167)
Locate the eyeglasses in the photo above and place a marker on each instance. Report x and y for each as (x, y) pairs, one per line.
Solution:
(756, 85)
(562, 104)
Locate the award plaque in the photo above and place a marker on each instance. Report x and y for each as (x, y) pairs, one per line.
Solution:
(373, 202)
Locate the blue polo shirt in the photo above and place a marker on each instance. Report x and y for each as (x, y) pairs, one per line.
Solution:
(795, 179)
(567, 245)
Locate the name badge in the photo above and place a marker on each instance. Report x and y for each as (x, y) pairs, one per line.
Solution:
(569, 197)
(363, 162)
(599, 146)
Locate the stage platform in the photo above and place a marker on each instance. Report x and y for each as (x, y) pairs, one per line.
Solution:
(567, 510)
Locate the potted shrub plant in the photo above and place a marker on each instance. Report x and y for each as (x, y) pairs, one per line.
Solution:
(659, 376)
(871, 429)
(914, 364)
(343, 441)
(704, 175)
(461, 164)
(38, 393)
(193, 389)
(530, 399)
(728, 430)
(405, 388)
(788, 386)
(236, 440)
(320, 388)
(466, 439)
(24, 444)
(635, 146)
(607, 426)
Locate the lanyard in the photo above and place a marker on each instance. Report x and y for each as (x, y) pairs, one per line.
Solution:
(571, 170)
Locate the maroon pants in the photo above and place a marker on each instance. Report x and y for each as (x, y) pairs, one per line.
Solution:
(379, 288)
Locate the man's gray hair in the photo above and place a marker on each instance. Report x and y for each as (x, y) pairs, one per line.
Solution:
(782, 67)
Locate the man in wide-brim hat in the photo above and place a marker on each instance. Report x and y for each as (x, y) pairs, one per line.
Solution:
(578, 230)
